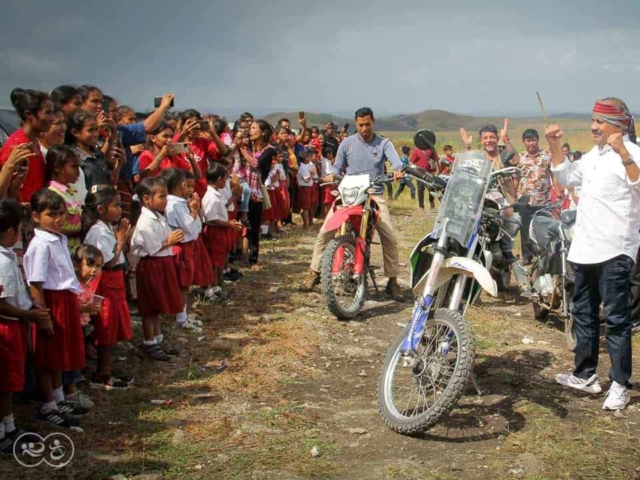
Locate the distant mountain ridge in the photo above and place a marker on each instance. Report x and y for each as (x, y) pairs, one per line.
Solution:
(434, 119)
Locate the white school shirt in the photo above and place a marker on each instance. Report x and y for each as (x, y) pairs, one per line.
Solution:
(273, 180)
(47, 261)
(214, 205)
(179, 217)
(14, 290)
(304, 173)
(325, 167)
(103, 237)
(150, 233)
(608, 219)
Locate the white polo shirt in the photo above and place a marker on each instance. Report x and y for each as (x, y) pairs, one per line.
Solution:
(179, 217)
(214, 205)
(103, 237)
(150, 233)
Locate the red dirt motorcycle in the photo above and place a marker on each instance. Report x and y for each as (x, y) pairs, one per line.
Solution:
(345, 262)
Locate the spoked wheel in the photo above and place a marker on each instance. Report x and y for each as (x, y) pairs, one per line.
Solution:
(412, 399)
(343, 290)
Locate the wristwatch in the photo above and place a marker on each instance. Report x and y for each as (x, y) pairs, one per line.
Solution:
(628, 161)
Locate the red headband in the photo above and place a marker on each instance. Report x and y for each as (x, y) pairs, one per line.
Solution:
(612, 115)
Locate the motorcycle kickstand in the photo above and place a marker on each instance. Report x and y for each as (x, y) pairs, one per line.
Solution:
(475, 384)
(373, 281)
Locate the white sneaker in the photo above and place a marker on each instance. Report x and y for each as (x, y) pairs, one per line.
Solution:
(188, 325)
(192, 318)
(617, 397)
(590, 385)
(212, 293)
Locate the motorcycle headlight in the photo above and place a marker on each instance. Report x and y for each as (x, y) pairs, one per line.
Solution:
(350, 195)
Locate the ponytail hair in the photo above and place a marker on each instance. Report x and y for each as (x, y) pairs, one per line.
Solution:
(24, 101)
(63, 94)
(98, 196)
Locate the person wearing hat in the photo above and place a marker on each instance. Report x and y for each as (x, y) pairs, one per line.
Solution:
(329, 135)
(604, 247)
(364, 153)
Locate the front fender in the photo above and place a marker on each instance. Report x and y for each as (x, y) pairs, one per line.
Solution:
(343, 214)
(461, 265)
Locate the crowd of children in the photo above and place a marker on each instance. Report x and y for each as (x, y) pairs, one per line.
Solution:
(102, 213)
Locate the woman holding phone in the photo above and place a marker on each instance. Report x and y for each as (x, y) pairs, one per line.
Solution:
(161, 153)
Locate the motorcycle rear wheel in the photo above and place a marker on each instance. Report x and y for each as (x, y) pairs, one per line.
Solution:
(343, 294)
(445, 361)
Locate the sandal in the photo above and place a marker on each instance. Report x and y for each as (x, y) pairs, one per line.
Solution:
(154, 352)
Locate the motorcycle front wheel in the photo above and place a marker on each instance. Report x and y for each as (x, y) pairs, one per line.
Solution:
(344, 292)
(412, 399)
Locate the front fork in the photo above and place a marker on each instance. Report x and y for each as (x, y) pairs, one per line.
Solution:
(421, 311)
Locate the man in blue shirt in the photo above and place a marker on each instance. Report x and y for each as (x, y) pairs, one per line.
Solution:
(364, 153)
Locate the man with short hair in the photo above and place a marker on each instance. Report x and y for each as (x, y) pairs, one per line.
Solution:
(604, 246)
(536, 182)
(364, 153)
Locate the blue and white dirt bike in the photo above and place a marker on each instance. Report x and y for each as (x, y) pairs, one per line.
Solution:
(430, 362)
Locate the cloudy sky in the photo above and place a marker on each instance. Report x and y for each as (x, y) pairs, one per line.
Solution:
(329, 56)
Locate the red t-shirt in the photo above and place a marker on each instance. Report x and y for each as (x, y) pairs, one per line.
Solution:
(146, 158)
(424, 159)
(36, 177)
(203, 150)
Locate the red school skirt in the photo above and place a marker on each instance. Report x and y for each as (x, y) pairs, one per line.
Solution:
(327, 197)
(285, 203)
(304, 197)
(184, 256)
(13, 354)
(64, 350)
(268, 215)
(203, 272)
(157, 283)
(113, 323)
(217, 244)
(314, 194)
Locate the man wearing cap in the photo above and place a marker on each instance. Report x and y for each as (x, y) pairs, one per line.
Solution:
(430, 161)
(329, 136)
(604, 246)
(364, 153)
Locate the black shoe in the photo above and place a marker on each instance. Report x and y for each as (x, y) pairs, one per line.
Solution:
(58, 419)
(26, 436)
(168, 349)
(7, 444)
(509, 258)
(69, 409)
(154, 352)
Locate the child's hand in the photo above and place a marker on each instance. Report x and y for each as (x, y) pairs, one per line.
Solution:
(38, 315)
(43, 320)
(175, 237)
(90, 308)
(194, 204)
(165, 151)
(235, 225)
(118, 157)
(137, 149)
(122, 231)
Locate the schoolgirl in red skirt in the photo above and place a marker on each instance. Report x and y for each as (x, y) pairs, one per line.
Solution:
(306, 173)
(183, 213)
(59, 343)
(104, 229)
(15, 315)
(274, 180)
(157, 279)
(216, 216)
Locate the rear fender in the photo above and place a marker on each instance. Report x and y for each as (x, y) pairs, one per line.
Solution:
(461, 266)
(342, 215)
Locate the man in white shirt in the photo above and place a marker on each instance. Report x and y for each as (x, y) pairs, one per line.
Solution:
(606, 240)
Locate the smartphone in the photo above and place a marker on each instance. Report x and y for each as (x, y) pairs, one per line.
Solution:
(158, 100)
(119, 137)
(203, 124)
(301, 115)
(180, 147)
(105, 106)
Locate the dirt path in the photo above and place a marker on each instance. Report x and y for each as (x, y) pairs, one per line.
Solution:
(300, 381)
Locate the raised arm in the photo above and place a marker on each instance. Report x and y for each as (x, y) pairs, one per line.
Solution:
(153, 121)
